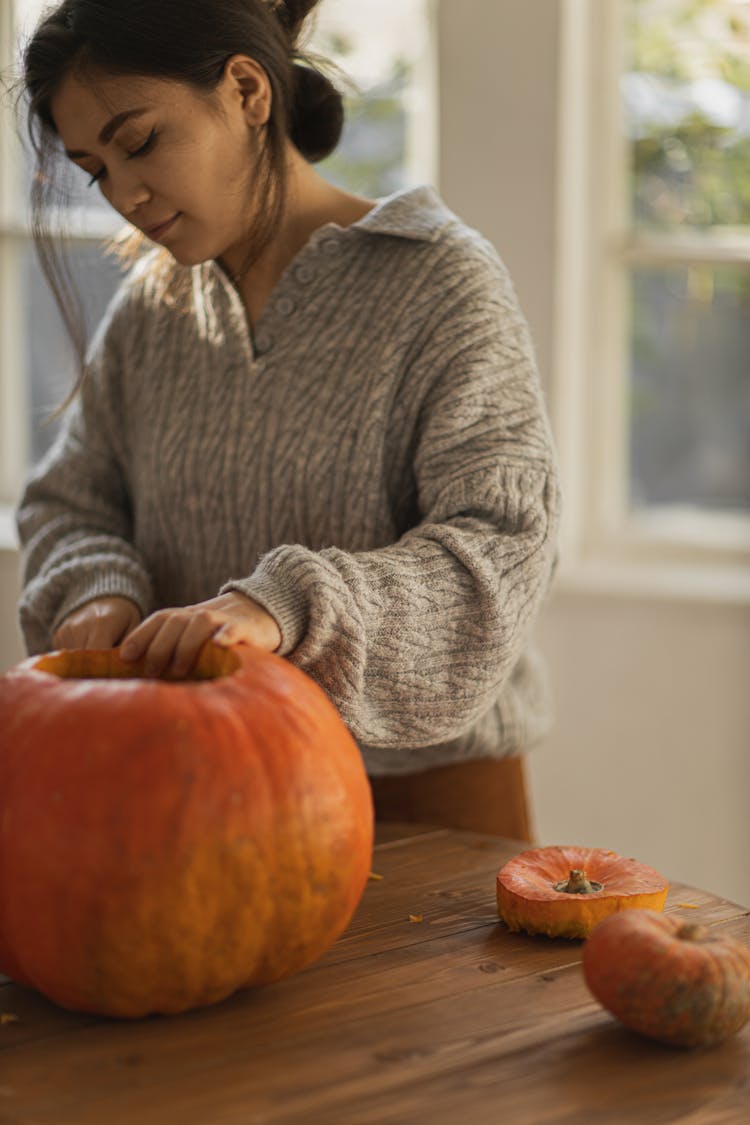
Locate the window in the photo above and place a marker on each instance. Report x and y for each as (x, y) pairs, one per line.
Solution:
(653, 397)
(383, 48)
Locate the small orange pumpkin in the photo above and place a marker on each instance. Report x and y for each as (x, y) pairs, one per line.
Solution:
(672, 980)
(163, 844)
(564, 891)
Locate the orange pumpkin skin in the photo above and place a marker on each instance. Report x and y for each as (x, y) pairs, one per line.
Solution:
(682, 984)
(527, 900)
(163, 844)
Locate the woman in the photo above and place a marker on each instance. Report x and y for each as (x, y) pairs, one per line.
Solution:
(309, 421)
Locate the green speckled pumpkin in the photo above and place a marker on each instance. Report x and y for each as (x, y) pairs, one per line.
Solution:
(686, 985)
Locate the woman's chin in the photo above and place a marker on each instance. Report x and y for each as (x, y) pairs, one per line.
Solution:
(184, 256)
(185, 259)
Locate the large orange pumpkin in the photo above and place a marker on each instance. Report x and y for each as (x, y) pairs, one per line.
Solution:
(163, 844)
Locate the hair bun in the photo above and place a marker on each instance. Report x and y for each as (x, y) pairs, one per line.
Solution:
(293, 13)
(317, 116)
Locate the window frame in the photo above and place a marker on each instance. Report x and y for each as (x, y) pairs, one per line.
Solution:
(665, 549)
(81, 228)
(12, 397)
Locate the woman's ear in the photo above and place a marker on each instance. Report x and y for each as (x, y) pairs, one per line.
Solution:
(246, 83)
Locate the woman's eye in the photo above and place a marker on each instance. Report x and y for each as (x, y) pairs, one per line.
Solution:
(147, 145)
(144, 148)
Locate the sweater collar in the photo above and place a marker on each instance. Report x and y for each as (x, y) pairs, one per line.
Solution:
(416, 213)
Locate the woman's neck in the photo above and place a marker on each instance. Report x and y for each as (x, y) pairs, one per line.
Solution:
(311, 202)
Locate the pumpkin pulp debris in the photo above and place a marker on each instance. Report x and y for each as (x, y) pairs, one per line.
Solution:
(563, 891)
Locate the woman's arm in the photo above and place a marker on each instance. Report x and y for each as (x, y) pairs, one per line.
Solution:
(415, 641)
(74, 517)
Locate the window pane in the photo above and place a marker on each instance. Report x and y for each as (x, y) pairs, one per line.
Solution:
(86, 211)
(381, 46)
(686, 94)
(70, 181)
(50, 364)
(690, 404)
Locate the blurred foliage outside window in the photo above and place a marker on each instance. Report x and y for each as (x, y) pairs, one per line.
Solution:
(374, 46)
(686, 101)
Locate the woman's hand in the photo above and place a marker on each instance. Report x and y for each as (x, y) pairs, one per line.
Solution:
(170, 639)
(100, 623)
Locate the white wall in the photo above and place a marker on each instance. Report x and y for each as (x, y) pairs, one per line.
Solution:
(497, 138)
(650, 754)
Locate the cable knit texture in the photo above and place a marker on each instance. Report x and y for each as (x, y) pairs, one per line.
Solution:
(372, 463)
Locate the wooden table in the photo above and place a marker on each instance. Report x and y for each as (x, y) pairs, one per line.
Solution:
(427, 1010)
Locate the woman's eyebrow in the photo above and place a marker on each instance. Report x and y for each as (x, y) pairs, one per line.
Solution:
(108, 131)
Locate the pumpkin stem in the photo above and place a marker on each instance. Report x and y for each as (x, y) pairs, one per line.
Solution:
(578, 884)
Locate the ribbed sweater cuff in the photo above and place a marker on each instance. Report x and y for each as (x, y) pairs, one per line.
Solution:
(285, 600)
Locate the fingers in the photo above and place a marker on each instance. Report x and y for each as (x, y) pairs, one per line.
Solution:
(67, 636)
(229, 634)
(247, 621)
(170, 640)
(262, 631)
(198, 630)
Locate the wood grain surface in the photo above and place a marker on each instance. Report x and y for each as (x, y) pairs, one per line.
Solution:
(451, 1020)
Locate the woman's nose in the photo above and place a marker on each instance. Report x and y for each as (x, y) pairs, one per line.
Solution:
(127, 194)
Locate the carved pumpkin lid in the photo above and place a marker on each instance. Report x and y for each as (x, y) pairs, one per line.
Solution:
(563, 891)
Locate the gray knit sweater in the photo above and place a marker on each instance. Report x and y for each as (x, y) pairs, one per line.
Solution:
(372, 464)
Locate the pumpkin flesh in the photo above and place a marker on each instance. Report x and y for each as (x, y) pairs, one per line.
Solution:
(163, 844)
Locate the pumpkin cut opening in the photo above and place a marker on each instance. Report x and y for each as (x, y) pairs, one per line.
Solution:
(213, 663)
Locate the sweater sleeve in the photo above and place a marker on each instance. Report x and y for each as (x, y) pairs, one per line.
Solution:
(415, 641)
(74, 516)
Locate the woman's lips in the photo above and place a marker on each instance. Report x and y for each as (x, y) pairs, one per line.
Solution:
(158, 231)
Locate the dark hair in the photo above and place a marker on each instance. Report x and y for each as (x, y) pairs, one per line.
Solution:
(188, 41)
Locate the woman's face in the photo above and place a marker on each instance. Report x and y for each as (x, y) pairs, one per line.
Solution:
(178, 166)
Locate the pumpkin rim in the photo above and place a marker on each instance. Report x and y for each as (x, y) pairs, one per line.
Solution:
(105, 665)
(522, 876)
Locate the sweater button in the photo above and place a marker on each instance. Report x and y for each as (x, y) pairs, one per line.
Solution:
(330, 247)
(304, 274)
(263, 342)
(285, 305)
